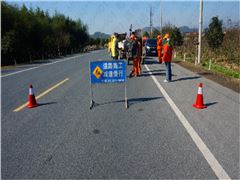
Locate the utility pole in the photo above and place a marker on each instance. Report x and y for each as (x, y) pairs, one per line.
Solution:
(161, 17)
(200, 33)
(151, 24)
(130, 30)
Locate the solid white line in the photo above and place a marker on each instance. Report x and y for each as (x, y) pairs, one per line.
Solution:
(10, 74)
(212, 161)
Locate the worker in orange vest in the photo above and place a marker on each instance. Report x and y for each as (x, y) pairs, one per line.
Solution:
(159, 48)
(135, 54)
(167, 57)
(139, 56)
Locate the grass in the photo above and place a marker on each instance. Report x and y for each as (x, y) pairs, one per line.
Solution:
(215, 68)
(221, 69)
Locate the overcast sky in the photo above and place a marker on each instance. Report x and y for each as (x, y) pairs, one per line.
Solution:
(116, 16)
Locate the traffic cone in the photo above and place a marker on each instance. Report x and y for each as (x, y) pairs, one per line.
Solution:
(199, 101)
(31, 98)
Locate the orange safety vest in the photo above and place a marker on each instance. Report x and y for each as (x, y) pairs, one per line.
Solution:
(167, 52)
(159, 44)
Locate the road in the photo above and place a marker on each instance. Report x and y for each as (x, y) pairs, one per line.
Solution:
(160, 135)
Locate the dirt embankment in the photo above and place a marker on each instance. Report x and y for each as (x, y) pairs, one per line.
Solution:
(222, 79)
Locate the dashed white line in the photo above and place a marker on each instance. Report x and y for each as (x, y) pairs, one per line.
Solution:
(210, 158)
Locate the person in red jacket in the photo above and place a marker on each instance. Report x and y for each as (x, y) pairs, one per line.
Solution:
(167, 57)
(159, 48)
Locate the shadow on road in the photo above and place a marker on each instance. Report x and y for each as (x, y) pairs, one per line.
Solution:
(148, 57)
(186, 78)
(131, 101)
(147, 73)
(151, 61)
(140, 100)
(152, 71)
(154, 74)
(210, 104)
(49, 103)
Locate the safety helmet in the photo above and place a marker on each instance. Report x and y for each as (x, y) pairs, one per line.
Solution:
(132, 36)
(158, 36)
(166, 36)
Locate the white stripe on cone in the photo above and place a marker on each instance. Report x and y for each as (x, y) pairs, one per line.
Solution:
(30, 91)
(200, 91)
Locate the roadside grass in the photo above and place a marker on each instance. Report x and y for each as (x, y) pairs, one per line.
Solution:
(221, 69)
(214, 67)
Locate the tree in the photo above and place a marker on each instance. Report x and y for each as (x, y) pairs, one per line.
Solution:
(8, 44)
(155, 33)
(145, 33)
(175, 34)
(214, 33)
(29, 34)
(177, 37)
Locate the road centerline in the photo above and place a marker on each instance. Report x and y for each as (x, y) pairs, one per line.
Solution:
(42, 94)
(208, 155)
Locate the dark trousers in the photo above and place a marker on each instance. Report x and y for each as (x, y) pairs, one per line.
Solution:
(168, 71)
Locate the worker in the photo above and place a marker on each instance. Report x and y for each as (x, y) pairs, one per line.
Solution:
(114, 49)
(139, 59)
(110, 44)
(135, 55)
(167, 57)
(159, 48)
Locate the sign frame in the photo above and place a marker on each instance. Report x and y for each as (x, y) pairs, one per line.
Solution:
(101, 71)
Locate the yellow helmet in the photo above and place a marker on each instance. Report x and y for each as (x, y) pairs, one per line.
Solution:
(166, 36)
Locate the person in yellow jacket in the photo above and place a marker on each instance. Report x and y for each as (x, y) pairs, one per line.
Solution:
(114, 48)
(110, 44)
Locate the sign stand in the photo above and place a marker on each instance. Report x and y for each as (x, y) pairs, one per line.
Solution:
(92, 103)
(126, 100)
(91, 93)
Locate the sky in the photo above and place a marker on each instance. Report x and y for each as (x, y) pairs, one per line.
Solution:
(116, 16)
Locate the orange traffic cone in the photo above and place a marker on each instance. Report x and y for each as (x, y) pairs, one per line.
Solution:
(31, 98)
(199, 101)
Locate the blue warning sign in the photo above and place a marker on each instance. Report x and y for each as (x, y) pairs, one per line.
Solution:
(108, 71)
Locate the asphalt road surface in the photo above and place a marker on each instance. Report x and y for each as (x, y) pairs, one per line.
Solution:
(160, 135)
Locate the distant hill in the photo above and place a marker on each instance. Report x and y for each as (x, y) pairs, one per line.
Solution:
(148, 29)
(186, 29)
(100, 35)
(183, 29)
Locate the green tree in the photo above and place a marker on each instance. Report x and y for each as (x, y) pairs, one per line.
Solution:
(214, 33)
(145, 33)
(29, 34)
(8, 45)
(175, 34)
(155, 33)
(177, 37)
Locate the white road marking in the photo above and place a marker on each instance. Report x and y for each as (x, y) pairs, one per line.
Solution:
(10, 74)
(92, 52)
(212, 161)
